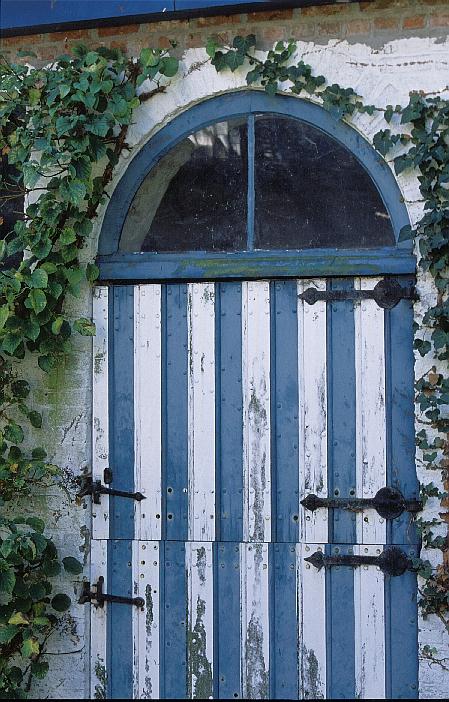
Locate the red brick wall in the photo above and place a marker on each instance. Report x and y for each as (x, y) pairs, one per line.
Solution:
(365, 21)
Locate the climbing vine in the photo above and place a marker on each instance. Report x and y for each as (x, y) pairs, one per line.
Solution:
(63, 129)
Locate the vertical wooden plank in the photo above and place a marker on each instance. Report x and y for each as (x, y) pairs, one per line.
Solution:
(175, 625)
(175, 417)
(120, 619)
(147, 410)
(340, 627)
(229, 411)
(256, 411)
(200, 620)
(255, 633)
(283, 622)
(312, 625)
(342, 411)
(284, 411)
(201, 410)
(227, 633)
(146, 620)
(401, 622)
(121, 387)
(98, 623)
(312, 376)
(400, 417)
(100, 428)
(369, 606)
(371, 424)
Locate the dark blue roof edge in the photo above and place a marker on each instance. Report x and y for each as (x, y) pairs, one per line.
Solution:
(148, 17)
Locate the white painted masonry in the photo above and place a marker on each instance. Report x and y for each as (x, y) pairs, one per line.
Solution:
(384, 74)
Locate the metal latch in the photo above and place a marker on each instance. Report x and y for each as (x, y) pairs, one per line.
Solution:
(98, 597)
(388, 502)
(392, 561)
(386, 293)
(96, 488)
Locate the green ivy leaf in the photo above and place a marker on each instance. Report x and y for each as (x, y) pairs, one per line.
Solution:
(73, 191)
(13, 433)
(61, 603)
(39, 669)
(4, 314)
(92, 272)
(37, 300)
(84, 326)
(39, 278)
(20, 388)
(7, 633)
(7, 577)
(35, 419)
(149, 57)
(169, 66)
(68, 236)
(72, 565)
(30, 647)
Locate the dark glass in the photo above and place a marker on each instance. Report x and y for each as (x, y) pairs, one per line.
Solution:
(312, 192)
(195, 199)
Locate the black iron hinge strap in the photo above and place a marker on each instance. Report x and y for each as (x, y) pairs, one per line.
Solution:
(388, 502)
(95, 488)
(98, 597)
(387, 293)
(392, 561)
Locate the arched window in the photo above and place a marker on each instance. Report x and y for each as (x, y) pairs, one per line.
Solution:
(258, 182)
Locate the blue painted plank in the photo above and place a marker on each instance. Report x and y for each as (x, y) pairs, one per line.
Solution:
(401, 471)
(255, 264)
(341, 410)
(174, 653)
(227, 637)
(284, 680)
(121, 380)
(401, 634)
(229, 411)
(340, 628)
(29, 13)
(284, 411)
(174, 401)
(119, 621)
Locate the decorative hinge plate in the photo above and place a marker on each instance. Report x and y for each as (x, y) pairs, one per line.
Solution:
(387, 293)
(392, 561)
(388, 502)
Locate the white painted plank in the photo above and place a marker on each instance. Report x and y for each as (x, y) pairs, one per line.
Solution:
(369, 608)
(312, 624)
(255, 632)
(147, 410)
(201, 410)
(100, 400)
(98, 616)
(371, 421)
(312, 410)
(256, 411)
(200, 596)
(145, 624)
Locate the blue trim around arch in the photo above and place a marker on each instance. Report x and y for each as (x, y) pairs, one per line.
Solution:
(115, 265)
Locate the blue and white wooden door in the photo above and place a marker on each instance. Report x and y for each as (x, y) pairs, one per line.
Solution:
(226, 404)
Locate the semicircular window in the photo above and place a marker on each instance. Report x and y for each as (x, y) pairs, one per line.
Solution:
(263, 182)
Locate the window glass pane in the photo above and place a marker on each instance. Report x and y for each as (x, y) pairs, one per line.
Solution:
(195, 198)
(312, 192)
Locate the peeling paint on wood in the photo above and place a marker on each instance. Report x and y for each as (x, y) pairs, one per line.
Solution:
(100, 400)
(199, 568)
(256, 411)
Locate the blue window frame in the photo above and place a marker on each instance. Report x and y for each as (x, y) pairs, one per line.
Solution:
(196, 265)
